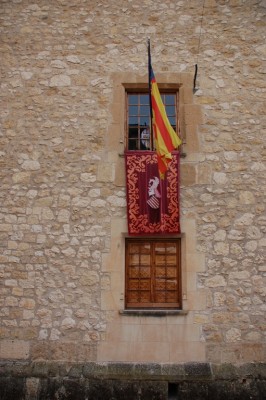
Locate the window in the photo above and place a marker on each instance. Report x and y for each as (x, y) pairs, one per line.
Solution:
(153, 273)
(138, 118)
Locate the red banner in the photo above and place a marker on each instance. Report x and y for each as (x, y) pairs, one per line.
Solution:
(152, 203)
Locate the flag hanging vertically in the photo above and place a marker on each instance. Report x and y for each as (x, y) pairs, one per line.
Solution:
(166, 139)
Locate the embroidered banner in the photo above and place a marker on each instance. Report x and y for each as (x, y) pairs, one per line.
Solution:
(152, 203)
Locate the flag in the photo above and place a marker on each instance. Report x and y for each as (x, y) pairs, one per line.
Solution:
(166, 139)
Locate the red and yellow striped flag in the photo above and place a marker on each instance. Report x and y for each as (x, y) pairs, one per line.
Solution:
(166, 139)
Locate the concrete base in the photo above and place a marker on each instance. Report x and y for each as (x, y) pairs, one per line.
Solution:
(115, 381)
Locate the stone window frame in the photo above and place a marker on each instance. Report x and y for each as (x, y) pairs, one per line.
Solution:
(192, 172)
(189, 115)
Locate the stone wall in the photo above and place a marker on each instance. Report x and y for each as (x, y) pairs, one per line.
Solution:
(63, 206)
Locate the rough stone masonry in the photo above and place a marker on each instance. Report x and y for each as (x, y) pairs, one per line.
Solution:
(63, 201)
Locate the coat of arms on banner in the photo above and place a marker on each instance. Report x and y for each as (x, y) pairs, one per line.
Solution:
(152, 203)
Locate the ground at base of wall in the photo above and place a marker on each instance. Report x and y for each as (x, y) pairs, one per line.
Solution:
(108, 381)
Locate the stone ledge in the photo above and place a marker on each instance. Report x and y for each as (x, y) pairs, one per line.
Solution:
(191, 371)
(152, 313)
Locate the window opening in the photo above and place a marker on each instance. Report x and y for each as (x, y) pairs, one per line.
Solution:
(153, 273)
(172, 391)
(138, 118)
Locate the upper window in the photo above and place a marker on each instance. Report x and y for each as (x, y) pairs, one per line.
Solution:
(153, 273)
(138, 118)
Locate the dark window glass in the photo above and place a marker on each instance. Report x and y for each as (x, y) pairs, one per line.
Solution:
(138, 118)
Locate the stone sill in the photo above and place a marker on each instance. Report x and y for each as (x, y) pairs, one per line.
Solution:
(152, 313)
(182, 155)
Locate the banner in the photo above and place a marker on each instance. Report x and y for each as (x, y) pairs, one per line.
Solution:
(152, 203)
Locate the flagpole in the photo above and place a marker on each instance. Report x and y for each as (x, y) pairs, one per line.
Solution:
(149, 77)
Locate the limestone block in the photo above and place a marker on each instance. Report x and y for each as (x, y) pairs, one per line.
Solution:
(21, 177)
(193, 114)
(220, 178)
(60, 81)
(219, 299)
(87, 177)
(245, 219)
(106, 172)
(221, 248)
(89, 278)
(116, 201)
(63, 216)
(204, 174)
(215, 281)
(242, 275)
(14, 349)
(68, 323)
(233, 335)
(72, 58)
(187, 174)
(31, 165)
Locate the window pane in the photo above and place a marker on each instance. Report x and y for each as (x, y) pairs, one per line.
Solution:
(169, 99)
(172, 121)
(132, 144)
(144, 110)
(133, 121)
(144, 99)
(133, 110)
(139, 115)
(170, 111)
(144, 121)
(133, 133)
(132, 99)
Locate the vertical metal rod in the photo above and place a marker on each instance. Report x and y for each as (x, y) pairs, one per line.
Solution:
(149, 77)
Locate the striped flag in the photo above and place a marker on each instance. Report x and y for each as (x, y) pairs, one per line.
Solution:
(166, 139)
